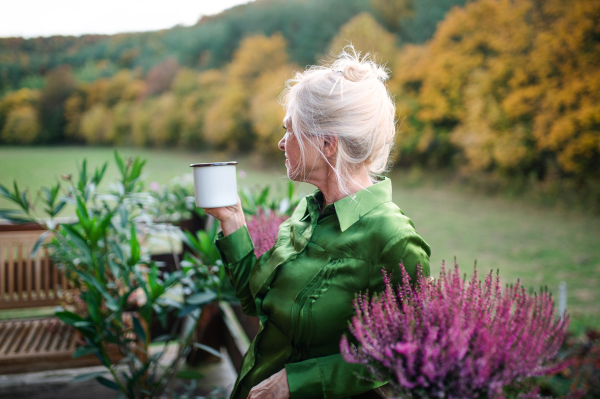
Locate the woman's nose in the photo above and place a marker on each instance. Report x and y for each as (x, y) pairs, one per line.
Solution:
(281, 144)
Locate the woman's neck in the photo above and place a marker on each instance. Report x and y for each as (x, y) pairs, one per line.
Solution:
(331, 191)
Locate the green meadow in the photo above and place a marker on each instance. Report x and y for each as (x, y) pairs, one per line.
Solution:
(538, 246)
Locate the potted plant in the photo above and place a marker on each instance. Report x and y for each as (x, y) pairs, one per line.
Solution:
(451, 338)
(124, 291)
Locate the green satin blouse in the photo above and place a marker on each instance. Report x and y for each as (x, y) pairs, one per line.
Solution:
(302, 289)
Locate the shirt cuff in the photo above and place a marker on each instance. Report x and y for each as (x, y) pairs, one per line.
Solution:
(304, 379)
(236, 246)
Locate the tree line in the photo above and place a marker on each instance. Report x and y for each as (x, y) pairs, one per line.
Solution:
(500, 88)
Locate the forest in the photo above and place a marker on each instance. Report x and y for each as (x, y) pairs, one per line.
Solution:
(503, 93)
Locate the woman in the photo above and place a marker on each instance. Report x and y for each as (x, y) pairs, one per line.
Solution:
(339, 133)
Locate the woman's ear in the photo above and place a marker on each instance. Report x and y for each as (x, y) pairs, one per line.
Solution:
(329, 145)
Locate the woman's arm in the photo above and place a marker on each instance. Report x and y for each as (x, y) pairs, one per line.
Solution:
(237, 251)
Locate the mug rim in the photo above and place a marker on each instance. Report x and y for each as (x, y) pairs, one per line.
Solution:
(199, 165)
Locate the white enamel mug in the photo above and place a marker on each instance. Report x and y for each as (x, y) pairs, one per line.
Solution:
(215, 184)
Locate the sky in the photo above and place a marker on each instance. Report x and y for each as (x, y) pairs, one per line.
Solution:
(33, 18)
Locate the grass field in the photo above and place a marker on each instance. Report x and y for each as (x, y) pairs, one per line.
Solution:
(539, 246)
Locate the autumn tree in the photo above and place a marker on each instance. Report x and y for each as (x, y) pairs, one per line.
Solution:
(59, 86)
(512, 86)
(21, 126)
(367, 36)
(228, 122)
(160, 77)
(393, 12)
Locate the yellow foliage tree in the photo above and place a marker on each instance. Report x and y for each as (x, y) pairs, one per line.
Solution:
(565, 66)
(195, 104)
(16, 99)
(266, 112)
(511, 85)
(73, 113)
(165, 120)
(228, 122)
(255, 56)
(96, 125)
(21, 126)
(367, 36)
(392, 11)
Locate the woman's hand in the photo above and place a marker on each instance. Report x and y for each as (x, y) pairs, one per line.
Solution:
(231, 217)
(274, 387)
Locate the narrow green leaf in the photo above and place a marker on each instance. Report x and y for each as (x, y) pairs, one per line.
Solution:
(114, 269)
(263, 196)
(201, 298)
(58, 208)
(116, 249)
(171, 302)
(156, 288)
(14, 216)
(187, 310)
(82, 214)
(67, 317)
(6, 194)
(135, 247)
(139, 330)
(79, 242)
(108, 383)
(99, 174)
(208, 349)
(24, 201)
(189, 375)
(162, 338)
(39, 242)
(124, 215)
(88, 376)
(48, 196)
(84, 350)
(120, 163)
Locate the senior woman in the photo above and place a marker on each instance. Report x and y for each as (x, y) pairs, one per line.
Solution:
(339, 132)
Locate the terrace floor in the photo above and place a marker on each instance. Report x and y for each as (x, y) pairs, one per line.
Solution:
(57, 384)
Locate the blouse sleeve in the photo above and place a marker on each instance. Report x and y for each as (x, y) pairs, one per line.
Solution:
(328, 377)
(405, 246)
(237, 253)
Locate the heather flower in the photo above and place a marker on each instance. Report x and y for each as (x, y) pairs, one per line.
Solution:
(453, 338)
(263, 229)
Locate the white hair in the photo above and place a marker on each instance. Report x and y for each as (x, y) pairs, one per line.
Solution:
(346, 98)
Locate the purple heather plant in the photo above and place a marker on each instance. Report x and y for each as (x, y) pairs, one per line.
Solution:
(452, 338)
(263, 229)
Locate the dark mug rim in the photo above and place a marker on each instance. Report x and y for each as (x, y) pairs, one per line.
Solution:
(200, 165)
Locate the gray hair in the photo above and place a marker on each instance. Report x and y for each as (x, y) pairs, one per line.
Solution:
(346, 98)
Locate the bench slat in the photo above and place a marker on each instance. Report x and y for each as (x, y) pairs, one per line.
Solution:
(28, 271)
(14, 328)
(34, 327)
(11, 271)
(2, 271)
(20, 273)
(41, 331)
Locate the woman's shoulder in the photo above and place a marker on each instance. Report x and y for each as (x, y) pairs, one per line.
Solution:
(388, 219)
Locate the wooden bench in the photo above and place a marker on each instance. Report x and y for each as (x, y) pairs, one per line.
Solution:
(34, 343)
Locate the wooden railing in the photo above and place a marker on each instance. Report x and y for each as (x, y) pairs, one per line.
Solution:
(26, 281)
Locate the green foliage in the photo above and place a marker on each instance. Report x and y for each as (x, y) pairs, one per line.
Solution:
(283, 203)
(103, 256)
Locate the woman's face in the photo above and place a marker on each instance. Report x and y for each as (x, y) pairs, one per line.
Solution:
(298, 168)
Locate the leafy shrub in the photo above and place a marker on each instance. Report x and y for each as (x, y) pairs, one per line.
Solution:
(102, 255)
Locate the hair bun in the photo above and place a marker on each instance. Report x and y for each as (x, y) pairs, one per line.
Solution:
(356, 68)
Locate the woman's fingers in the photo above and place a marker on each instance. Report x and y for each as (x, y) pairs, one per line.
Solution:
(231, 217)
(274, 387)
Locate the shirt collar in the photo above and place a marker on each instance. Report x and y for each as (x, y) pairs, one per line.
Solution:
(350, 209)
